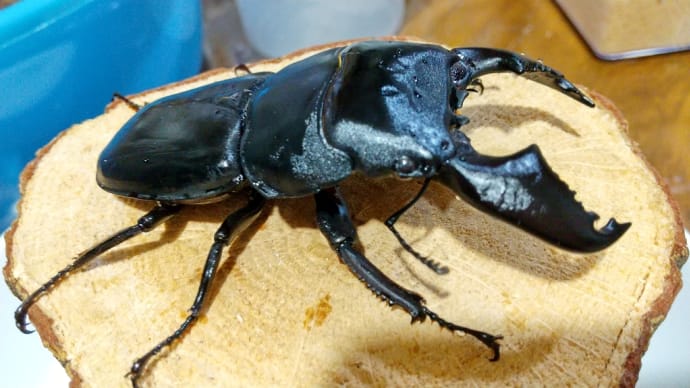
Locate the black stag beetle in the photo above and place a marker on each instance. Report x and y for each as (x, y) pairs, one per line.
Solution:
(378, 108)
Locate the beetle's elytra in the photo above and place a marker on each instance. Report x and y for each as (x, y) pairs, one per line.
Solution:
(379, 108)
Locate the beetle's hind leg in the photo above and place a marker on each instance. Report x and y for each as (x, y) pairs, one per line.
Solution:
(335, 223)
(147, 222)
(233, 225)
(390, 223)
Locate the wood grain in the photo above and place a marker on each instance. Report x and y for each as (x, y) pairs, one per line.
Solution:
(653, 93)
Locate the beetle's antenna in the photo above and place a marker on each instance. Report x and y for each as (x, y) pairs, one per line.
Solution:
(135, 107)
(390, 223)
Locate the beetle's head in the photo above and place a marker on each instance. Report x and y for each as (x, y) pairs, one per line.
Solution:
(389, 107)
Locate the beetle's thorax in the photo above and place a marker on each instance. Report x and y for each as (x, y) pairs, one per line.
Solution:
(282, 150)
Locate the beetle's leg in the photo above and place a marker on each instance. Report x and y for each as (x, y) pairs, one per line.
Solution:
(147, 222)
(242, 67)
(133, 105)
(334, 221)
(476, 61)
(390, 223)
(233, 225)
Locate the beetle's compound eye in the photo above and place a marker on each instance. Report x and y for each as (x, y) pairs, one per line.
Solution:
(460, 74)
(405, 165)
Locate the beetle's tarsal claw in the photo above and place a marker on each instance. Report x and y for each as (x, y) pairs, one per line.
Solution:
(491, 341)
(523, 190)
(20, 319)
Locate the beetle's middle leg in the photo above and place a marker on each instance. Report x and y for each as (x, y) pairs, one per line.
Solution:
(390, 223)
(334, 221)
(233, 225)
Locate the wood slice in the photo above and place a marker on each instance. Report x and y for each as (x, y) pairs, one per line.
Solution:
(283, 311)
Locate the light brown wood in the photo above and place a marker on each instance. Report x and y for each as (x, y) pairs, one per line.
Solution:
(284, 312)
(653, 93)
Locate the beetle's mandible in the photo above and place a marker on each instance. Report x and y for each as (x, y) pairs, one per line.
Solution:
(376, 107)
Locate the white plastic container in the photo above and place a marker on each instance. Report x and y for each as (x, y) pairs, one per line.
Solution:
(277, 27)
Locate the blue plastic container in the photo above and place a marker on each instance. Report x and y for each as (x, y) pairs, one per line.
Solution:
(61, 61)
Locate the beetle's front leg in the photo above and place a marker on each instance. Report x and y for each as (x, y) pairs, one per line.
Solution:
(334, 221)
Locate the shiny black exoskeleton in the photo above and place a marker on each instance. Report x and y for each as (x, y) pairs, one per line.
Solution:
(379, 108)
